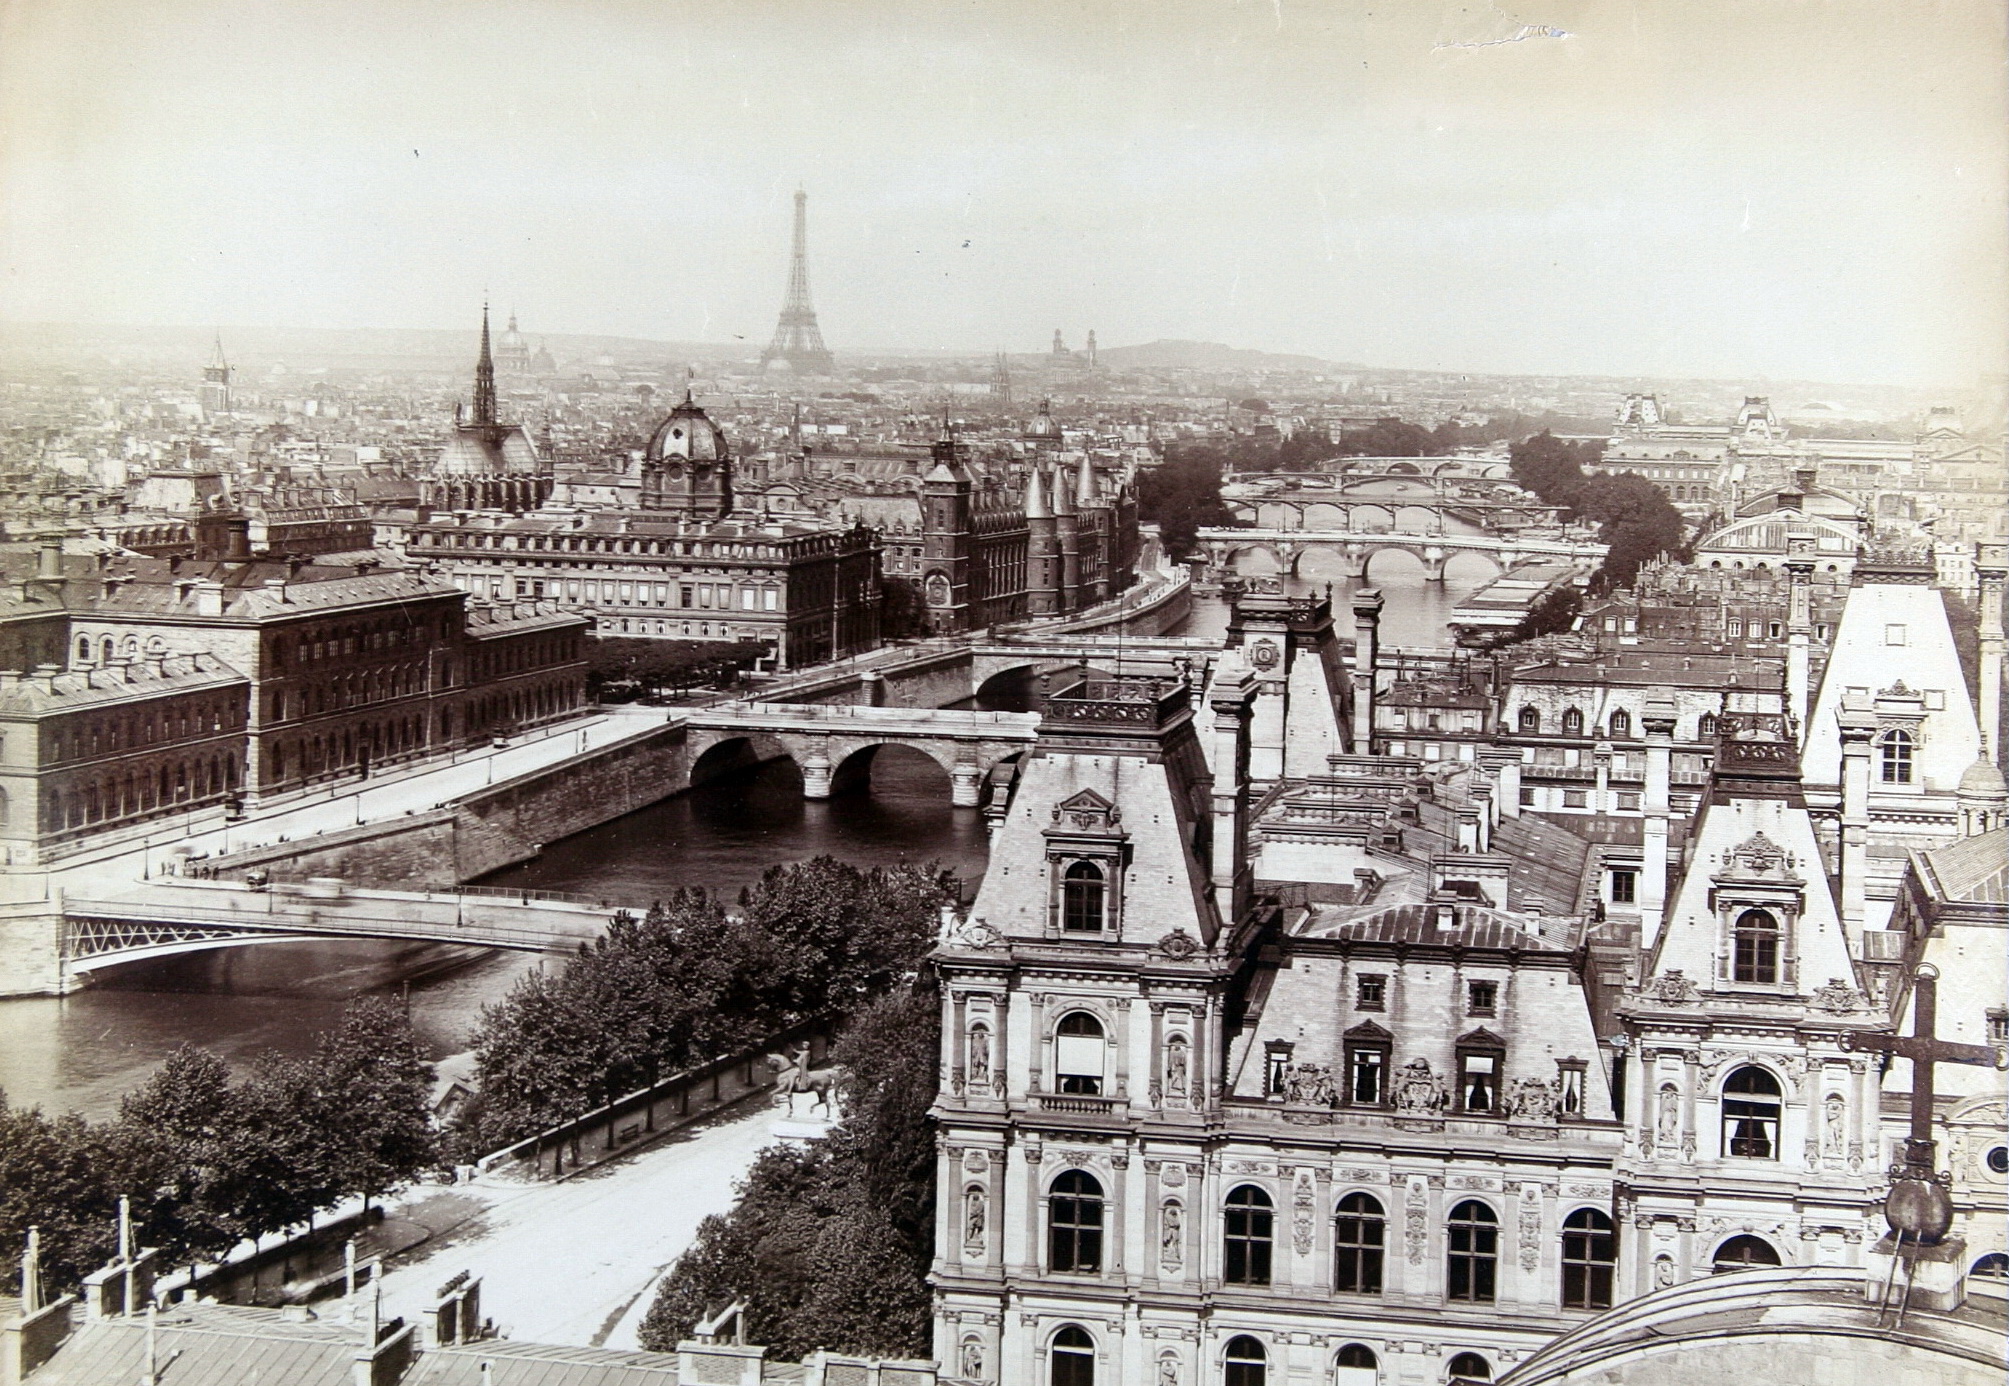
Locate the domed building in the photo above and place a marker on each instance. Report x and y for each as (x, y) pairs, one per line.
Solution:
(687, 467)
(512, 351)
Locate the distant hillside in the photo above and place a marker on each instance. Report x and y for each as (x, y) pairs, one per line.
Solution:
(1204, 356)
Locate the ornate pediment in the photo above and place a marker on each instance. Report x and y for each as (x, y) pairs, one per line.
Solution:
(1839, 998)
(1758, 855)
(1088, 811)
(1671, 987)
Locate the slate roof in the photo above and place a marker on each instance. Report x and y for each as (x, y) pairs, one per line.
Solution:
(1476, 927)
(540, 1364)
(34, 695)
(1974, 869)
(209, 1345)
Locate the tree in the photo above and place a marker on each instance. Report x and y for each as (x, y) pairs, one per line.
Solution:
(53, 1176)
(1636, 520)
(903, 611)
(1182, 495)
(182, 1145)
(378, 1084)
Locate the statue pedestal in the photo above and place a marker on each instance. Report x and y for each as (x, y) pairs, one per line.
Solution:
(1937, 1273)
(800, 1131)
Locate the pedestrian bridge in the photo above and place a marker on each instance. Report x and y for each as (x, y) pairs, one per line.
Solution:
(169, 917)
(1357, 550)
(834, 744)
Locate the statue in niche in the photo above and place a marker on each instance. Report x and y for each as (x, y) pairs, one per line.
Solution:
(1670, 1114)
(1175, 1066)
(1833, 1112)
(1168, 1370)
(973, 1218)
(973, 1360)
(1172, 1235)
(980, 1055)
(1663, 1272)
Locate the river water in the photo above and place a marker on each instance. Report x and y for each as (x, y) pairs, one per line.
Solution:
(83, 1052)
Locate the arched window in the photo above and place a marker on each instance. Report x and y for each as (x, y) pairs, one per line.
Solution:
(1245, 1363)
(1470, 1366)
(1530, 720)
(1073, 1358)
(1620, 722)
(1074, 1224)
(1082, 891)
(1474, 1252)
(1572, 721)
(1590, 1252)
(1705, 726)
(1894, 757)
(1356, 1357)
(1755, 942)
(1993, 1266)
(1751, 1115)
(1743, 1253)
(83, 649)
(1078, 1053)
(1247, 1236)
(1356, 1245)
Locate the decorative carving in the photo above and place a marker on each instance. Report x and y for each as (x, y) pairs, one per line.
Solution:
(1663, 1272)
(1416, 1215)
(1174, 1177)
(1302, 1214)
(1178, 945)
(1532, 1099)
(979, 934)
(1310, 1083)
(1531, 1227)
(1839, 998)
(1417, 1090)
(1088, 812)
(1758, 853)
(1671, 988)
(975, 1162)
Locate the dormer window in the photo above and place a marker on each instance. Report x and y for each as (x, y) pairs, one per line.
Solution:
(1481, 1057)
(1530, 720)
(1894, 757)
(1572, 722)
(1083, 894)
(1621, 723)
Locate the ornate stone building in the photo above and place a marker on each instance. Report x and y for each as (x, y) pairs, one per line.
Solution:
(486, 464)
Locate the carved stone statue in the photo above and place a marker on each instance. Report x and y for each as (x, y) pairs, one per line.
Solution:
(1309, 1083)
(973, 1218)
(1670, 1115)
(1833, 1112)
(980, 1055)
(1175, 1066)
(1417, 1089)
(1172, 1235)
(1168, 1370)
(1534, 1099)
(973, 1360)
(1663, 1272)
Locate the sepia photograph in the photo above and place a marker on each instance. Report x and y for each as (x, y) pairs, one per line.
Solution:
(1004, 693)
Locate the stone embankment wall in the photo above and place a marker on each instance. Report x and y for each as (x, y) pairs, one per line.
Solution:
(493, 827)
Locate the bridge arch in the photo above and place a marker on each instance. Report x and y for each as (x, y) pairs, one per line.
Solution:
(1016, 689)
(1233, 554)
(731, 755)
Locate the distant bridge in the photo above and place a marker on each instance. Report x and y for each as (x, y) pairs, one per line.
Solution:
(1325, 501)
(171, 917)
(833, 744)
(1356, 550)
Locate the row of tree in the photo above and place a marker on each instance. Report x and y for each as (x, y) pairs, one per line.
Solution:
(830, 1246)
(690, 981)
(1634, 516)
(208, 1162)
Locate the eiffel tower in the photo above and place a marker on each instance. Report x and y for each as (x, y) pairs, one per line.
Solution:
(797, 339)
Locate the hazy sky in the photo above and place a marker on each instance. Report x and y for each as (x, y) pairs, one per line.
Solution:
(1739, 189)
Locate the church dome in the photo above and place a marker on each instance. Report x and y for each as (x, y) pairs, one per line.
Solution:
(689, 433)
(1983, 780)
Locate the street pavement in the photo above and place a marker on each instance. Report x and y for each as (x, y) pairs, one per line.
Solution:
(570, 1262)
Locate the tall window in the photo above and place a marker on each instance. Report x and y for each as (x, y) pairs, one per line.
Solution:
(1531, 719)
(1474, 1251)
(1246, 1362)
(1073, 1358)
(1367, 1048)
(1894, 753)
(1621, 722)
(1074, 1224)
(1247, 1236)
(1590, 1252)
(1751, 1114)
(1356, 1244)
(1755, 941)
(1078, 1053)
(1743, 1253)
(1572, 721)
(1470, 1366)
(1624, 887)
(1082, 892)
(1480, 1060)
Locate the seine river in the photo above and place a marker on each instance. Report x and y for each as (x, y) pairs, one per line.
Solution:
(81, 1053)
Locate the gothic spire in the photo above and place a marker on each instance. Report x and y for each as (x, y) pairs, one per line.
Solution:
(484, 377)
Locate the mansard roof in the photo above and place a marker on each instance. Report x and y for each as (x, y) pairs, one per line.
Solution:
(1473, 926)
(1974, 870)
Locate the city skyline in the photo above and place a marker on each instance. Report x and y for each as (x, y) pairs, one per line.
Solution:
(1591, 189)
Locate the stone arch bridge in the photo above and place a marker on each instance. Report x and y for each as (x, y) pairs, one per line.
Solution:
(1356, 551)
(834, 744)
